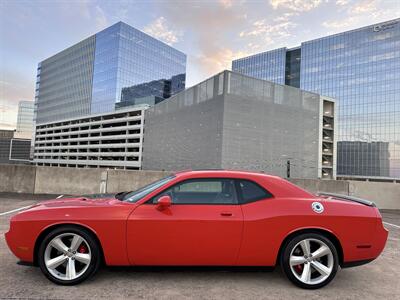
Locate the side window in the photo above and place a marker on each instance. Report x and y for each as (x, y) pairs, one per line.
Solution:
(202, 191)
(251, 191)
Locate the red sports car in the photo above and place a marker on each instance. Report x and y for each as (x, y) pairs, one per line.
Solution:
(208, 218)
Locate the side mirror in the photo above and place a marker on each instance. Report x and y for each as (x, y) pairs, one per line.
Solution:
(164, 202)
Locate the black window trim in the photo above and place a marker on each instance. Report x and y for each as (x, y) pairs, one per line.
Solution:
(240, 194)
(238, 191)
(150, 201)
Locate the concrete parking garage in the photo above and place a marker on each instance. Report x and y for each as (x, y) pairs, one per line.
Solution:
(377, 280)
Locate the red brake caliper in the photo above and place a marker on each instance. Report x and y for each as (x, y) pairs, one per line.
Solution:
(82, 249)
(299, 268)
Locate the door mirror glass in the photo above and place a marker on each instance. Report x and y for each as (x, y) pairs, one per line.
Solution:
(164, 202)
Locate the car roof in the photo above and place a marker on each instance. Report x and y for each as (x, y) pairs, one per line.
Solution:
(222, 172)
(274, 184)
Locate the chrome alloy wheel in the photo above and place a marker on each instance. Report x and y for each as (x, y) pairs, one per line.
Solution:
(311, 261)
(67, 256)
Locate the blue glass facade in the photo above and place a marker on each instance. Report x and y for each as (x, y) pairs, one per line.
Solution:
(131, 68)
(361, 70)
(267, 65)
(117, 67)
(105, 70)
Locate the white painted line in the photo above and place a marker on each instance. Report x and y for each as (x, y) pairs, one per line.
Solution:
(390, 224)
(14, 210)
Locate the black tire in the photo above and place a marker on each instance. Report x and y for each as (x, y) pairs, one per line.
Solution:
(95, 253)
(289, 247)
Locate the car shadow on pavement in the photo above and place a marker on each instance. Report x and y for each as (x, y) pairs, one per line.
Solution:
(191, 269)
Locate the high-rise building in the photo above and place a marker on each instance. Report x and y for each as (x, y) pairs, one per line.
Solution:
(233, 121)
(90, 76)
(361, 70)
(25, 120)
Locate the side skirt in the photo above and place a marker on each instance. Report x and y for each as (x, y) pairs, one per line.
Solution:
(356, 263)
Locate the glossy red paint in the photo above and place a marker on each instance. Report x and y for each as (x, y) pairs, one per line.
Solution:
(164, 202)
(249, 234)
(106, 218)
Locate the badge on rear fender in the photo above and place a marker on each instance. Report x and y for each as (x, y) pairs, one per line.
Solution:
(317, 207)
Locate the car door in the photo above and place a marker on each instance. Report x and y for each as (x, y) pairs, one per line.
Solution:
(203, 226)
(261, 224)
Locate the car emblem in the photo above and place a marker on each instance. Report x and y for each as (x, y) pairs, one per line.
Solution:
(317, 207)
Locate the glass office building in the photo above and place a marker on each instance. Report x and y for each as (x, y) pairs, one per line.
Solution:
(267, 65)
(25, 120)
(93, 76)
(361, 70)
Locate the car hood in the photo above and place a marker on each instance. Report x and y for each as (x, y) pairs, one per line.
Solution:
(81, 201)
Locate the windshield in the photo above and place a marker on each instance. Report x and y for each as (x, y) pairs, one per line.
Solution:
(144, 191)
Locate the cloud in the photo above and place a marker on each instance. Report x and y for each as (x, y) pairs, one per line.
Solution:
(87, 10)
(268, 33)
(100, 18)
(14, 87)
(209, 28)
(286, 17)
(83, 8)
(8, 115)
(160, 30)
(226, 3)
(342, 2)
(220, 60)
(363, 7)
(346, 23)
(361, 13)
(263, 28)
(295, 5)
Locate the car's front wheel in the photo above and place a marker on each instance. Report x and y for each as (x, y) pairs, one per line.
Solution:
(310, 260)
(68, 255)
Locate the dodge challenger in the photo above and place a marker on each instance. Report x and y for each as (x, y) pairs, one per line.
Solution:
(201, 218)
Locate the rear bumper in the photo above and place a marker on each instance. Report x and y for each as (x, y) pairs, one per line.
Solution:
(380, 238)
(366, 250)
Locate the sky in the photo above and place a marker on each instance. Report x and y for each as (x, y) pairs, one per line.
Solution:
(211, 33)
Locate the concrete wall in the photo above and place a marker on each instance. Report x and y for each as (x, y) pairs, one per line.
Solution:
(266, 124)
(17, 178)
(385, 195)
(245, 123)
(119, 180)
(185, 131)
(52, 180)
(328, 186)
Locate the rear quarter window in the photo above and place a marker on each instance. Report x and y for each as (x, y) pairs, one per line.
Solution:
(251, 191)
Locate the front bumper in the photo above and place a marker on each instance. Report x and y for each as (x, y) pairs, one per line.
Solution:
(18, 241)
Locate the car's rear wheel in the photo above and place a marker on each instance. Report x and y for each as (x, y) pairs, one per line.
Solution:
(310, 260)
(68, 255)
